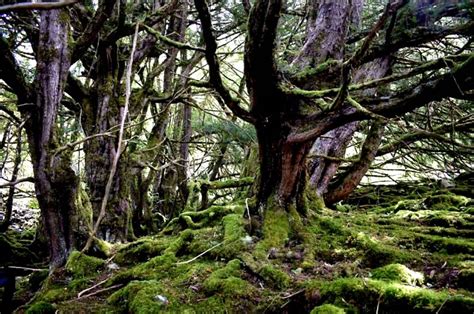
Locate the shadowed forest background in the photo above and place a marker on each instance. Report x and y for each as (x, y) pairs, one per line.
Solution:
(262, 156)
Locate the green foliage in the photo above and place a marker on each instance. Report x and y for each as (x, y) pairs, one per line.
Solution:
(33, 203)
(227, 131)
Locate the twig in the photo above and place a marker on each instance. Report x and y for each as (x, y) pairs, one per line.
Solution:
(248, 212)
(8, 184)
(36, 5)
(170, 41)
(91, 288)
(113, 168)
(378, 305)
(196, 257)
(293, 294)
(99, 291)
(27, 268)
(439, 310)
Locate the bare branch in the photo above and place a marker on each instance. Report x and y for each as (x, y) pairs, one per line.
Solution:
(36, 6)
(9, 184)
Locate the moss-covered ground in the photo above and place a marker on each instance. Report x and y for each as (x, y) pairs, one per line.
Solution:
(399, 249)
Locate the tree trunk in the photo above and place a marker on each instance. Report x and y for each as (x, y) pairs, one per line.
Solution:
(55, 182)
(101, 114)
(283, 164)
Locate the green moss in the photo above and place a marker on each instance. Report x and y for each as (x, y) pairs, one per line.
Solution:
(440, 218)
(413, 205)
(140, 251)
(204, 218)
(227, 281)
(37, 278)
(175, 246)
(377, 254)
(466, 279)
(399, 273)
(55, 294)
(276, 231)
(81, 265)
(275, 277)
(445, 201)
(444, 245)
(41, 308)
(234, 235)
(365, 295)
(148, 296)
(328, 309)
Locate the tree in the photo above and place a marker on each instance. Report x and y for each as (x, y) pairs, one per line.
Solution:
(325, 88)
(318, 78)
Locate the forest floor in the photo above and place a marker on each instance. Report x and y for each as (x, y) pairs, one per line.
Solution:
(389, 249)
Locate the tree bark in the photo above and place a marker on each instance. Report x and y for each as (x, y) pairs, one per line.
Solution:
(334, 143)
(348, 181)
(56, 183)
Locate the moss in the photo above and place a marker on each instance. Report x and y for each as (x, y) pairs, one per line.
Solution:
(140, 251)
(81, 265)
(399, 273)
(365, 295)
(445, 201)
(276, 231)
(37, 278)
(327, 309)
(204, 239)
(440, 218)
(227, 281)
(440, 244)
(234, 235)
(275, 277)
(409, 205)
(41, 308)
(465, 279)
(200, 219)
(148, 296)
(175, 246)
(377, 254)
(343, 208)
(55, 294)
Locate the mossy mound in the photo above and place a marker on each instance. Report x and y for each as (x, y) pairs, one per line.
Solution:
(327, 309)
(80, 265)
(398, 273)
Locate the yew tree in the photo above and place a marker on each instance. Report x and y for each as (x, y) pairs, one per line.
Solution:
(310, 94)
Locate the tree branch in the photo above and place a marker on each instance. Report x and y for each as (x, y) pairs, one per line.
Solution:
(213, 63)
(9, 184)
(92, 29)
(452, 84)
(36, 6)
(170, 41)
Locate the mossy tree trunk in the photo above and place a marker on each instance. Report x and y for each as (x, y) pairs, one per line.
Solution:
(56, 183)
(101, 115)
